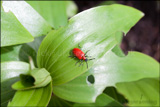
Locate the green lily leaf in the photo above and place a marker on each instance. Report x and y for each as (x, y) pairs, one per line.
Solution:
(117, 50)
(36, 43)
(13, 31)
(33, 97)
(102, 101)
(10, 72)
(144, 92)
(57, 102)
(94, 29)
(22, 52)
(28, 17)
(36, 78)
(10, 53)
(72, 8)
(54, 12)
(109, 70)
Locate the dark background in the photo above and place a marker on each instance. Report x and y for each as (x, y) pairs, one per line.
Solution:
(144, 36)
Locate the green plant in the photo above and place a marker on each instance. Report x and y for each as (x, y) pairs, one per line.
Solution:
(40, 73)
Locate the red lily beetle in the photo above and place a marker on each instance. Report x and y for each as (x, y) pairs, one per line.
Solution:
(78, 53)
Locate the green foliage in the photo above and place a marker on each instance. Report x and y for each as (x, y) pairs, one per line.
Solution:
(13, 31)
(10, 72)
(109, 70)
(144, 92)
(84, 28)
(32, 97)
(34, 79)
(99, 29)
(57, 102)
(48, 10)
(102, 100)
(28, 17)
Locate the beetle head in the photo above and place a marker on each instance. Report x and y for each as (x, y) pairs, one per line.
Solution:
(86, 59)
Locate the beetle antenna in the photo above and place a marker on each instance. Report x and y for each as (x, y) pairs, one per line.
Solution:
(87, 64)
(87, 52)
(91, 59)
(79, 45)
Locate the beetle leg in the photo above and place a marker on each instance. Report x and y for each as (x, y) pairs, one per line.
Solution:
(87, 52)
(87, 64)
(87, 56)
(72, 56)
(77, 62)
(79, 46)
(81, 63)
(91, 59)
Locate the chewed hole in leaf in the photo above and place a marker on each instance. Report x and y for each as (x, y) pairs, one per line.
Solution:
(90, 79)
(27, 80)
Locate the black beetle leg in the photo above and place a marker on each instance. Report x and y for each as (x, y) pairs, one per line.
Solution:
(87, 52)
(81, 63)
(77, 62)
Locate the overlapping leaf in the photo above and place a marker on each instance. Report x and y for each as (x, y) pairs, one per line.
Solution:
(10, 72)
(94, 29)
(54, 12)
(34, 79)
(28, 17)
(144, 92)
(21, 52)
(12, 31)
(72, 9)
(102, 101)
(58, 102)
(108, 71)
(32, 97)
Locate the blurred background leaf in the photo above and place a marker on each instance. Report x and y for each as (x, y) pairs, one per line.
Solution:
(55, 12)
(28, 17)
(107, 2)
(33, 97)
(72, 8)
(10, 72)
(13, 31)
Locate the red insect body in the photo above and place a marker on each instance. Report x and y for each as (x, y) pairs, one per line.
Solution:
(79, 54)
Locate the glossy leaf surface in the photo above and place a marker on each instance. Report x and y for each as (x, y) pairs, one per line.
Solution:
(33, 97)
(54, 12)
(12, 31)
(84, 29)
(28, 17)
(10, 72)
(109, 70)
(144, 92)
